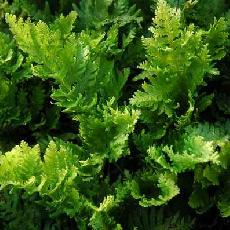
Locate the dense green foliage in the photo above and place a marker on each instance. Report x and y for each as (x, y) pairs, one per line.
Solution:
(114, 114)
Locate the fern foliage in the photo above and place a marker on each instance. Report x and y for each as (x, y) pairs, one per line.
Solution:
(111, 120)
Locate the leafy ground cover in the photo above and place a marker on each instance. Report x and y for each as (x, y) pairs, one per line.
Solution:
(114, 114)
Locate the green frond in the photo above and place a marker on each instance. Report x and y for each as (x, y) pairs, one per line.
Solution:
(178, 58)
(54, 177)
(162, 185)
(144, 130)
(196, 146)
(95, 14)
(108, 135)
(21, 167)
(200, 200)
(36, 40)
(101, 218)
(156, 219)
(59, 167)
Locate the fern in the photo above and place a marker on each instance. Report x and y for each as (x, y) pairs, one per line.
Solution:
(197, 145)
(107, 12)
(119, 145)
(115, 125)
(54, 177)
(203, 14)
(101, 218)
(196, 150)
(16, 210)
(36, 39)
(177, 61)
(165, 184)
(153, 218)
(21, 167)
(70, 63)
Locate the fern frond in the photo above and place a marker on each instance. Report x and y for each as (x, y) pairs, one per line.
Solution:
(22, 167)
(108, 134)
(36, 40)
(164, 185)
(178, 58)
